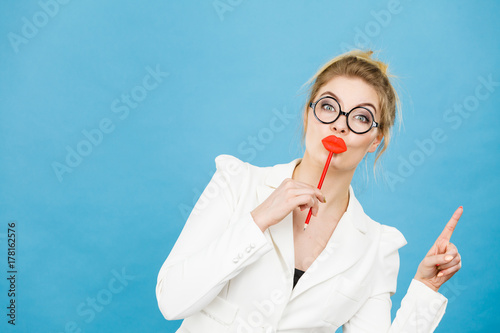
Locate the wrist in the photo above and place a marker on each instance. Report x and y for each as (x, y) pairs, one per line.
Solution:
(427, 283)
(258, 220)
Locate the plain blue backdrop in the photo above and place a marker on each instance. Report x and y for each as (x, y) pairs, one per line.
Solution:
(112, 113)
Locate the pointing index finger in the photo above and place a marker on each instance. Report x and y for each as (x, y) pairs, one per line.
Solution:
(450, 226)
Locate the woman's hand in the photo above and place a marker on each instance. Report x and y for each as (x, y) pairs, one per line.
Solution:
(289, 195)
(443, 260)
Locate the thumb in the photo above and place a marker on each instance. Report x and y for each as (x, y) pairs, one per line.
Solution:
(439, 259)
(443, 245)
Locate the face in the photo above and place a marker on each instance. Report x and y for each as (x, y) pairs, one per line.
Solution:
(350, 93)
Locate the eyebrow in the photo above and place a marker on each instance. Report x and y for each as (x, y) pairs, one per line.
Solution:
(362, 104)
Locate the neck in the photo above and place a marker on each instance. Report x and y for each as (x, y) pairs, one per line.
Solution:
(335, 186)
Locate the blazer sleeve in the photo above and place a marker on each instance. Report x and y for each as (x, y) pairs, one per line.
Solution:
(421, 309)
(215, 245)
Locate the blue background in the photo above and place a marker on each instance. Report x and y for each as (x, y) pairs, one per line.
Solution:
(124, 204)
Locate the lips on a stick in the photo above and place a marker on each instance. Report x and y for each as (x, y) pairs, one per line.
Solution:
(334, 145)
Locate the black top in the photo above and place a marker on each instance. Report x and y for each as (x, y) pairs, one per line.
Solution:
(296, 276)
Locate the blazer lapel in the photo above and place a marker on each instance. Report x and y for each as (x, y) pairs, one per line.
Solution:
(346, 246)
(280, 233)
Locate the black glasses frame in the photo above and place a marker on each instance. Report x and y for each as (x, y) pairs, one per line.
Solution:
(313, 106)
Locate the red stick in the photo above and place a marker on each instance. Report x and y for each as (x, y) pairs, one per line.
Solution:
(325, 169)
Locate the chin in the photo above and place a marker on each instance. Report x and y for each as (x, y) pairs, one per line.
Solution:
(322, 156)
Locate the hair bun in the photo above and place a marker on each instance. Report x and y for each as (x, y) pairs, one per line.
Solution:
(367, 55)
(383, 67)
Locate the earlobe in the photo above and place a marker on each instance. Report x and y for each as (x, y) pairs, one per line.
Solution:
(375, 143)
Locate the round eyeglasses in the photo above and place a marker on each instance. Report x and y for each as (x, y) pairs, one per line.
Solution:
(359, 120)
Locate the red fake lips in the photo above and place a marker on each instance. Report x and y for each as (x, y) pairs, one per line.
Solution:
(334, 144)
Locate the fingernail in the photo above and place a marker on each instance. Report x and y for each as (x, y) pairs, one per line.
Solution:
(437, 265)
(440, 274)
(448, 258)
(324, 199)
(461, 207)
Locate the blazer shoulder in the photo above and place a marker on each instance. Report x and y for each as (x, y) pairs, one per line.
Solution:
(393, 236)
(230, 170)
(225, 161)
(237, 174)
(390, 237)
(390, 240)
(233, 165)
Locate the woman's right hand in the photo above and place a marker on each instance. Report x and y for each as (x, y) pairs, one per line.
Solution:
(289, 195)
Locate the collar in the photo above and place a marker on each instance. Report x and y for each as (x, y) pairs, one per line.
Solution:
(346, 246)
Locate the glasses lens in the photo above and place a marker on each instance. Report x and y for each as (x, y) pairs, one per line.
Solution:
(360, 120)
(327, 109)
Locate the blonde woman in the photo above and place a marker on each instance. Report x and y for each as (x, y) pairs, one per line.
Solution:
(245, 263)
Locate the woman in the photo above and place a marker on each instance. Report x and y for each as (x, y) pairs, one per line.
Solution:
(244, 261)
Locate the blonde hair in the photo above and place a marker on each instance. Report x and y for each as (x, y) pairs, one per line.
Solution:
(359, 64)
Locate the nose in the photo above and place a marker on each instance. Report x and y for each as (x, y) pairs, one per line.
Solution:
(340, 125)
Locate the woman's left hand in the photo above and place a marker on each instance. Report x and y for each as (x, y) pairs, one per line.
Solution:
(443, 260)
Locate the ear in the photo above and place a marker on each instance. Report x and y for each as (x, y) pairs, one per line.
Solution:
(305, 117)
(375, 143)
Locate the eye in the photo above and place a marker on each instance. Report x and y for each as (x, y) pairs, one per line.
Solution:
(328, 107)
(361, 118)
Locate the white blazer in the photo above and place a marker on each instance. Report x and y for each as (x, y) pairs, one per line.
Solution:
(225, 275)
